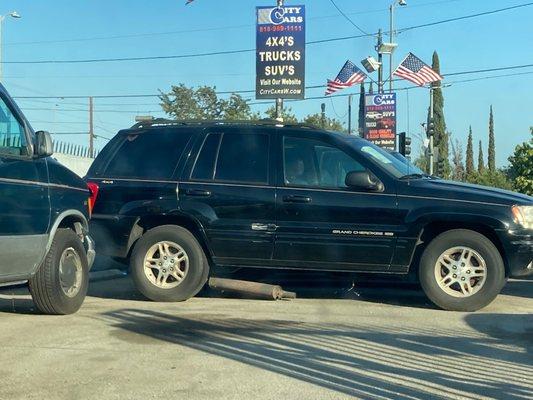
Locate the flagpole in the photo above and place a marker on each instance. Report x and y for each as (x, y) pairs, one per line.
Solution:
(431, 153)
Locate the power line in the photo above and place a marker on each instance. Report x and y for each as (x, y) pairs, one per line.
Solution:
(347, 18)
(241, 51)
(253, 90)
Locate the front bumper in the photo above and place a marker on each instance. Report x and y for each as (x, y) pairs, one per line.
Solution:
(518, 246)
(91, 253)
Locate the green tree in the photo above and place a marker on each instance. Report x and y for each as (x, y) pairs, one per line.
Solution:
(458, 170)
(492, 146)
(480, 161)
(441, 137)
(470, 154)
(489, 178)
(287, 115)
(331, 124)
(521, 168)
(362, 110)
(183, 102)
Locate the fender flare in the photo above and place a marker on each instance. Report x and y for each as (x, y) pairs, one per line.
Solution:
(60, 218)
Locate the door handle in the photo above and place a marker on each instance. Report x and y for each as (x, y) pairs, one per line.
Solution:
(264, 227)
(198, 193)
(296, 199)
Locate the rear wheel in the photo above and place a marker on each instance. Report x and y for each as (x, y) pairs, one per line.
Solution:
(168, 264)
(461, 270)
(60, 284)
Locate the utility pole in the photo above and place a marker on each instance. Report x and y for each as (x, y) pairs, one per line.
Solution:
(380, 60)
(431, 131)
(391, 40)
(349, 114)
(279, 101)
(323, 115)
(91, 128)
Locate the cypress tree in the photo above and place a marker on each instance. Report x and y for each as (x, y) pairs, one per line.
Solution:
(469, 154)
(480, 162)
(362, 110)
(492, 145)
(440, 139)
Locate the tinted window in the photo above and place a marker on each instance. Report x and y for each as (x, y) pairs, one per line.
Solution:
(12, 139)
(243, 158)
(310, 162)
(151, 155)
(205, 163)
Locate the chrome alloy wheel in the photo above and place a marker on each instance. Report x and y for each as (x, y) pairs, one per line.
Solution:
(166, 264)
(70, 272)
(460, 271)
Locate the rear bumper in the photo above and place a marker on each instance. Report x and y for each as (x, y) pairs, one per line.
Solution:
(518, 246)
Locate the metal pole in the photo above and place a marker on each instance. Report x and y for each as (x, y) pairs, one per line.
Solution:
(279, 101)
(431, 150)
(380, 60)
(2, 17)
(323, 115)
(391, 36)
(91, 127)
(349, 114)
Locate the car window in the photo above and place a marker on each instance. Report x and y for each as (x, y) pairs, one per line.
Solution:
(152, 155)
(12, 138)
(204, 167)
(243, 158)
(308, 162)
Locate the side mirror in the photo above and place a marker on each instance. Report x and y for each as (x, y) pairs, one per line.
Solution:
(43, 144)
(363, 180)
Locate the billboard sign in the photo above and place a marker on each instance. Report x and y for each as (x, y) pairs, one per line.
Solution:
(380, 119)
(280, 52)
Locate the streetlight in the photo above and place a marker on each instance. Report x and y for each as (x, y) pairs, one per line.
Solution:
(12, 14)
(391, 35)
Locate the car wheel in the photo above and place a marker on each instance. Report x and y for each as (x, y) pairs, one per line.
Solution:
(168, 264)
(461, 270)
(60, 284)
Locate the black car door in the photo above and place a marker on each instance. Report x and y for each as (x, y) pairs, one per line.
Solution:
(227, 187)
(323, 224)
(24, 202)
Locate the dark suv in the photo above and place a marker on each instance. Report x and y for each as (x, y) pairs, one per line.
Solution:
(178, 197)
(43, 217)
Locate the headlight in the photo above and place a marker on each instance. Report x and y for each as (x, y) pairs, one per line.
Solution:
(523, 215)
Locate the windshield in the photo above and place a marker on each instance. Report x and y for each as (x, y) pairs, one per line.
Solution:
(397, 165)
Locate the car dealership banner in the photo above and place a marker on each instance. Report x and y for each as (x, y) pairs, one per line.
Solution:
(380, 119)
(280, 52)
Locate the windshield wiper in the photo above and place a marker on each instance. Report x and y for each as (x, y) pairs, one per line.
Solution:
(416, 176)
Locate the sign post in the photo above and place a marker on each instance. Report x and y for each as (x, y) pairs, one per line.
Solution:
(280, 53)
(380, 120)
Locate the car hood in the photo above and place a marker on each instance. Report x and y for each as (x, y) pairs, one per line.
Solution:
(465, 191)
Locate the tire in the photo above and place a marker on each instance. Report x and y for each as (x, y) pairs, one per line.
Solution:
(478, 288)
(189, 259)
(47, 286)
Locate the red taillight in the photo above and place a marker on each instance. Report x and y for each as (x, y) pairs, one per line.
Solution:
(93, 189)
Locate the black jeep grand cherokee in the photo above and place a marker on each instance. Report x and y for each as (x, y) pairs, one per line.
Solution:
(178, 197)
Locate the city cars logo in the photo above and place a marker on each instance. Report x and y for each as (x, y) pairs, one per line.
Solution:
(276, 15)
(383, 100)
(279, 15)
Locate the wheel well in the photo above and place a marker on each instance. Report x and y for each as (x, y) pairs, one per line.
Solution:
(70, 222)
(433, 229)
(146, 223)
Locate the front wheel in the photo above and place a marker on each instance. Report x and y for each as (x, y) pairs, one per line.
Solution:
(461, 270)
(60, 284)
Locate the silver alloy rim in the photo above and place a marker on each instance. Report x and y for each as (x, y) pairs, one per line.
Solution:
(166, 264)
(460, 271)
(70, 272)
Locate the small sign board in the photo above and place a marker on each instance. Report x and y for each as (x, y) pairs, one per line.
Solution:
(380, 119)
(280, 52)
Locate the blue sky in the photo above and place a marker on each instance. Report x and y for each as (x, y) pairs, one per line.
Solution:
(51, 29)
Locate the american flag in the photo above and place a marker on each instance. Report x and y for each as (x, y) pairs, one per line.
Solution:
(349, 75)
(415, 70)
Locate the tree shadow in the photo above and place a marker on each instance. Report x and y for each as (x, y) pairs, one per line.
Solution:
(362, 361)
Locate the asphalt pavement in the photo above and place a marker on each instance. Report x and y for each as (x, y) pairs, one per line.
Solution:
(369, 342)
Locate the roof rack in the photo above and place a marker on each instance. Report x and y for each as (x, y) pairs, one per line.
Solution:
(156, 122)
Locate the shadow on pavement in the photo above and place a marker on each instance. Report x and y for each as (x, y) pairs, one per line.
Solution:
(362, 361)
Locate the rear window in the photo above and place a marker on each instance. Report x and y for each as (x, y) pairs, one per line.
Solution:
(233, 157)
(150, 155)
